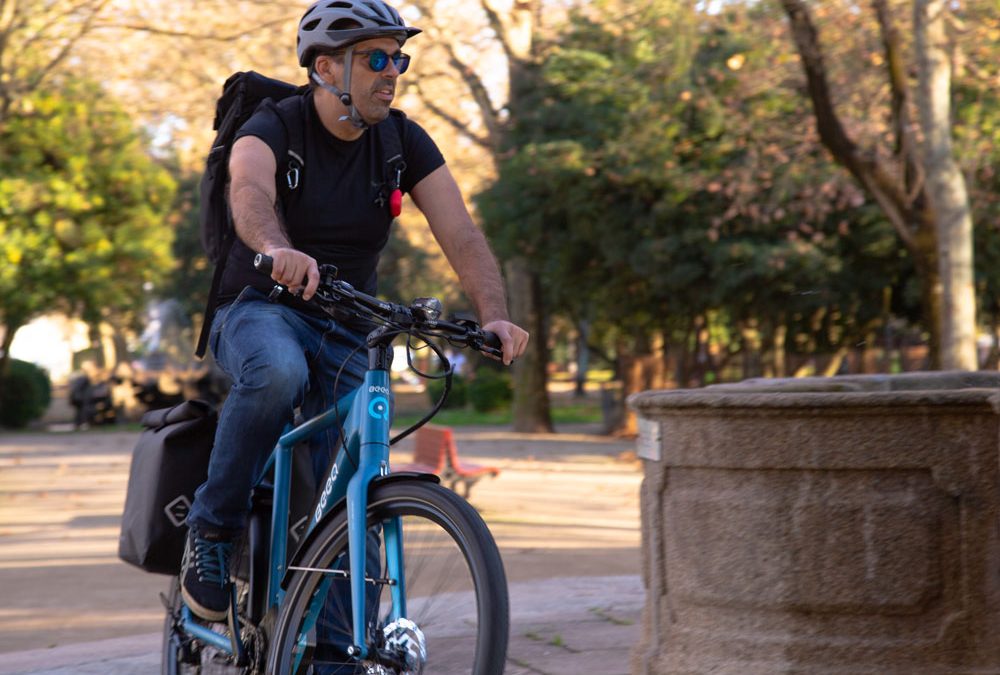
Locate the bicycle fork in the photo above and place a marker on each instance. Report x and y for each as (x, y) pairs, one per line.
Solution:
(370, 417)
(374, 462)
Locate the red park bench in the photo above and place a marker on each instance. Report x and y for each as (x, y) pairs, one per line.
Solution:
(435, 452)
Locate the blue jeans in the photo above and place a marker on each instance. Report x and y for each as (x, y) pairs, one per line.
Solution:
(279, 359)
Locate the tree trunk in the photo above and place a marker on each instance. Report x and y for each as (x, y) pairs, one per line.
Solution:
(946, 191)
(751, 340)
(531, 400)
(643, 367)
(902, 198)
(993, 358)
(778, 346)
(8, 339)
(582, 358)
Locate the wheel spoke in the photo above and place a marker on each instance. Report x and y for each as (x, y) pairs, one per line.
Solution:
(454, 583)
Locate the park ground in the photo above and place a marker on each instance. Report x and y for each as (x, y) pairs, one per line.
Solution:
(563, 508)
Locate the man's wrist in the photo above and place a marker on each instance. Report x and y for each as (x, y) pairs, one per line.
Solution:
(491, 317)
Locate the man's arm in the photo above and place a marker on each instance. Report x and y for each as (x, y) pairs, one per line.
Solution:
(252, 196)
(439, 198)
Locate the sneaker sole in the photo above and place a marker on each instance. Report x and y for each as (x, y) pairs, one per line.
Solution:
(202, 612)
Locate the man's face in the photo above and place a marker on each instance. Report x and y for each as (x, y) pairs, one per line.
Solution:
(371, 91)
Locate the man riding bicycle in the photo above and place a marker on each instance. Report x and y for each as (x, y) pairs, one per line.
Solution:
(286, 355)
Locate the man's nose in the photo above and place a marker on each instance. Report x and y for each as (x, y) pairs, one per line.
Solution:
(391, 71)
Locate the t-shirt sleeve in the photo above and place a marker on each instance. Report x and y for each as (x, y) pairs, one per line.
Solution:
(267, 126)
(422, 155)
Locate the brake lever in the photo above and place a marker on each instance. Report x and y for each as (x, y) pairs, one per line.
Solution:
(487, 342)
(492, 351)
(276, 293)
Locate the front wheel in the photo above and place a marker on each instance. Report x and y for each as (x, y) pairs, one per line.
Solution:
(456, 593)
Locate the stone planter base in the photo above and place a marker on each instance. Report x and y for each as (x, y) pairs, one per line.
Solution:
(822, 525)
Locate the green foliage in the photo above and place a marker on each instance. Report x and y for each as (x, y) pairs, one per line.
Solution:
(490, 390)
(25, 394)
(402, 269)
(190, 277)
(458, 397)
(662, 172)
(82, 208)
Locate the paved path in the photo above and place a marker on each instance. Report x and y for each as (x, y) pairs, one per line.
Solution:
(567, 626)
(564, 511)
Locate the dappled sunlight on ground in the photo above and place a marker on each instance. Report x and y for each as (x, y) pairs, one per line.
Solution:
(562, 505)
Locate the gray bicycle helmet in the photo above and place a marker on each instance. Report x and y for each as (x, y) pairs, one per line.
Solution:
(333, 24)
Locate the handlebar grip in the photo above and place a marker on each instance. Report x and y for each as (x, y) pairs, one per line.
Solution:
(263, 263)
(492, 340)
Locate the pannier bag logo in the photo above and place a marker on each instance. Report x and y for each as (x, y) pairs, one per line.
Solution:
(177, 510)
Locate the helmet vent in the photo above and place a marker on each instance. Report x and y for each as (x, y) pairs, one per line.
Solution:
(343, 24)
(336, 24)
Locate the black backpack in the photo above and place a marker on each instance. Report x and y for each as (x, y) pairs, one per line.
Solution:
(242, 93)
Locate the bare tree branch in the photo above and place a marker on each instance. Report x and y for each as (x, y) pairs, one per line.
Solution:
(231, 37)
(446, 40)
(64, 51)
(16, 19)
(866, 169)
(480, 94)
(452, 121)
(906, 144)
(497, 25)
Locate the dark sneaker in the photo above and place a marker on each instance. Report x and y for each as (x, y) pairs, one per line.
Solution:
(205, 583)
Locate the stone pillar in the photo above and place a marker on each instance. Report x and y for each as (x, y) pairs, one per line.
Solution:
(822, 525)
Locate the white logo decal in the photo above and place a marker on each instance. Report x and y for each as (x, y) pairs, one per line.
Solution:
(327, 489)
(177, 510)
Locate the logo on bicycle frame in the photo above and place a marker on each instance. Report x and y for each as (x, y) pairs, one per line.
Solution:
(327, 489)
(379, 408)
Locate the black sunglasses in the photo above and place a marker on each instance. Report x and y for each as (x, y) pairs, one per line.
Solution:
(378, 59)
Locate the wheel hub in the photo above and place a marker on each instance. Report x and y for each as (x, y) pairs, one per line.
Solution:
(404, 639)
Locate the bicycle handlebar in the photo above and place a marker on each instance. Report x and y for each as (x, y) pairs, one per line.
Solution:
(420, 317)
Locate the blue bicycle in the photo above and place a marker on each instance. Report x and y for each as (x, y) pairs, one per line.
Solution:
(394, 573)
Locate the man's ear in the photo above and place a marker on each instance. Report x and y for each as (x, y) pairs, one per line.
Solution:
(326, 66)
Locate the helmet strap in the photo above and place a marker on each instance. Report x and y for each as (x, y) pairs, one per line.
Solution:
(344, 96)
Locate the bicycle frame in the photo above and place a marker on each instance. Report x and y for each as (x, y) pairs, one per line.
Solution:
(365, 416)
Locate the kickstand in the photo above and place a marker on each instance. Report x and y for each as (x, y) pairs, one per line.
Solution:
(239, 651)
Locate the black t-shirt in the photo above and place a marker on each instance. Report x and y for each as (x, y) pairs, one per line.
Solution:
(334, 215)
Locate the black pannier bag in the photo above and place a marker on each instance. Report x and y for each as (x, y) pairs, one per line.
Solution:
(169, 462)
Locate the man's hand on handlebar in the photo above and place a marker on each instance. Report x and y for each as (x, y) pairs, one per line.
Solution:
(294, 270)
(513, 337)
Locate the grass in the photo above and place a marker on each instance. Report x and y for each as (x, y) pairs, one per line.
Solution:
(564, 411)
(608, 617)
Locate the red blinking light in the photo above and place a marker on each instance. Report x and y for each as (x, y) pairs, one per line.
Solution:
(396, 203)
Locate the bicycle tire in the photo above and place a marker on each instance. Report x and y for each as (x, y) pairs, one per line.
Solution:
(459, 544)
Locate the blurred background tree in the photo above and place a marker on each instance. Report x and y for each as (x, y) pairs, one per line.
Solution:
(85, 210)
(652, 174)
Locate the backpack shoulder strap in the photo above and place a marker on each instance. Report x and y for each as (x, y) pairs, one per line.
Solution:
(291, 112)
(392, 148)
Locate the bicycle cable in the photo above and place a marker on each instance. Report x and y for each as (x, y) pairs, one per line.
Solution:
(444, 395)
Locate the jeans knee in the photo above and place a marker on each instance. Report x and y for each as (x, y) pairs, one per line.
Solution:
(278, 378)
